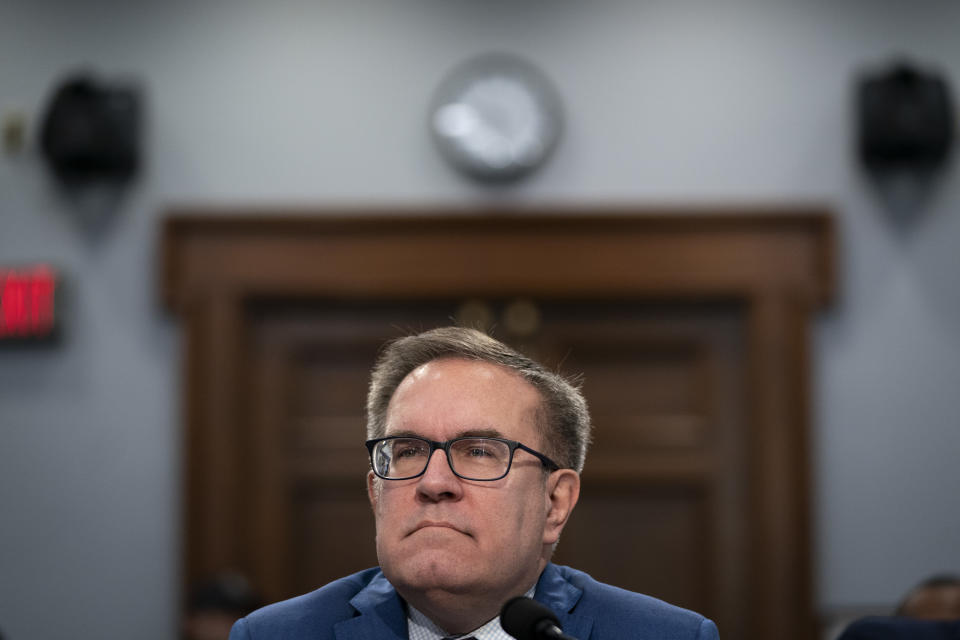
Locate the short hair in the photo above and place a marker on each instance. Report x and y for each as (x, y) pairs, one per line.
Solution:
(564, 418)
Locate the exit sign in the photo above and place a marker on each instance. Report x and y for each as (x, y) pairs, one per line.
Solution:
(28, 297)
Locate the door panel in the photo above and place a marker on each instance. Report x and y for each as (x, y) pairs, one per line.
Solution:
(650, 539)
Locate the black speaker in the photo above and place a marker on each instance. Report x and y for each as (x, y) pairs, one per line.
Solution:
(906, 118)
(91, 131)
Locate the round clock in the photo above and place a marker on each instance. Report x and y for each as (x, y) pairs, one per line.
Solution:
(496, 117)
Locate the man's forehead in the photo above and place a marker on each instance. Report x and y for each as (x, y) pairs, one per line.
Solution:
(464, 369)
(479, 368)
(471, 383)
(467, 432)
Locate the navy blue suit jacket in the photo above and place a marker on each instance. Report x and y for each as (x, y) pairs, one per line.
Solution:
(365, 606)
(879, 628)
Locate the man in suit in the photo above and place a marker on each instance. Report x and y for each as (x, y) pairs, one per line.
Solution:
(476, 453)
(897, 628)
(936, 598)
(929, 611)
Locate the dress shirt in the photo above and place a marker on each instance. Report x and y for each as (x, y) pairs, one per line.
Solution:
(420, 627)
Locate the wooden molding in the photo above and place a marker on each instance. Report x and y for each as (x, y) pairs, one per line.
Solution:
(777, 262)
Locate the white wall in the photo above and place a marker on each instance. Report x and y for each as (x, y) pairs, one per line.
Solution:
(324, 102)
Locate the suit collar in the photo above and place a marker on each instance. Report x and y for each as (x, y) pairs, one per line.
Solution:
(562, 596)
(382, 614)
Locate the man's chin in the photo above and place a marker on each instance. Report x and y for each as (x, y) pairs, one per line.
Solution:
(438, 572)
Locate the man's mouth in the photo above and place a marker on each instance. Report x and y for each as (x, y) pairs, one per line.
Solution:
(437, 524)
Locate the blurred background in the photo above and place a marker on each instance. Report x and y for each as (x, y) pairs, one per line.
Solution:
(295, 104)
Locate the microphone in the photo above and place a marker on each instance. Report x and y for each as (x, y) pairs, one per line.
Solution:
(526, 619)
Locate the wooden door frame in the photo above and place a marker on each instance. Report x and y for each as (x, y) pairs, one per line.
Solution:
(778, 261)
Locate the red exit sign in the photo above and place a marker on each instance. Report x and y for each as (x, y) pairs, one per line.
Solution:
(28, 302)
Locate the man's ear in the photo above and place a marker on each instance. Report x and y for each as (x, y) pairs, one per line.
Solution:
(372, 492)
(563, 491)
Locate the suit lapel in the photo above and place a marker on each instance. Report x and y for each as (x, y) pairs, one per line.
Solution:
(382, 615)
(562, 596)
(576, 625)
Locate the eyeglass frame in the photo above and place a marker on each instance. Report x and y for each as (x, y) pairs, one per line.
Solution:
(445, 447)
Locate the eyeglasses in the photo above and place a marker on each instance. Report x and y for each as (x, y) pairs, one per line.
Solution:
(470, 458)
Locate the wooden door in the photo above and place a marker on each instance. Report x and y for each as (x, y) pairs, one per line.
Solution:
(694, 364)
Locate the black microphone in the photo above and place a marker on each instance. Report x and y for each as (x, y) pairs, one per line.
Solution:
(526, 619)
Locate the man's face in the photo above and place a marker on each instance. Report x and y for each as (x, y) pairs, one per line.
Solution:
(439, 533)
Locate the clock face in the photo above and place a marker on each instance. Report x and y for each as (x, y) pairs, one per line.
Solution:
(496, 117)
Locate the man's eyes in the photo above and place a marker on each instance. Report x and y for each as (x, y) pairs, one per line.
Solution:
(463, 449)
(410, 451)
(479, 452)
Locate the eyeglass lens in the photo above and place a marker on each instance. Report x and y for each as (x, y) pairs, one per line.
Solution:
(474, 458)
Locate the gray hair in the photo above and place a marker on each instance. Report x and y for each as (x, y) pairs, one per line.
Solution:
(564, 418)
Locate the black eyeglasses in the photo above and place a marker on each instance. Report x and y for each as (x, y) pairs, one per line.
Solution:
(470, 458)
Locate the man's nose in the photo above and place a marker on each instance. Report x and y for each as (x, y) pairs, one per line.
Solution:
(439, 482)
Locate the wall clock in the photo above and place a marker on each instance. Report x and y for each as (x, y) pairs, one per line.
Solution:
(496, 117)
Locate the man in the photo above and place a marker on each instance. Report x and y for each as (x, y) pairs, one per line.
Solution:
(214, 604)
(930, 611)
(897, 628)
(936, 598)
(476, 453)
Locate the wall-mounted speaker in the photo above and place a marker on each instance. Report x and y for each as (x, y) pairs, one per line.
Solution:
(905, 118)
(91, 130)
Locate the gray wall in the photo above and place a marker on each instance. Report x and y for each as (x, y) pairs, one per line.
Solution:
(318, 103)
